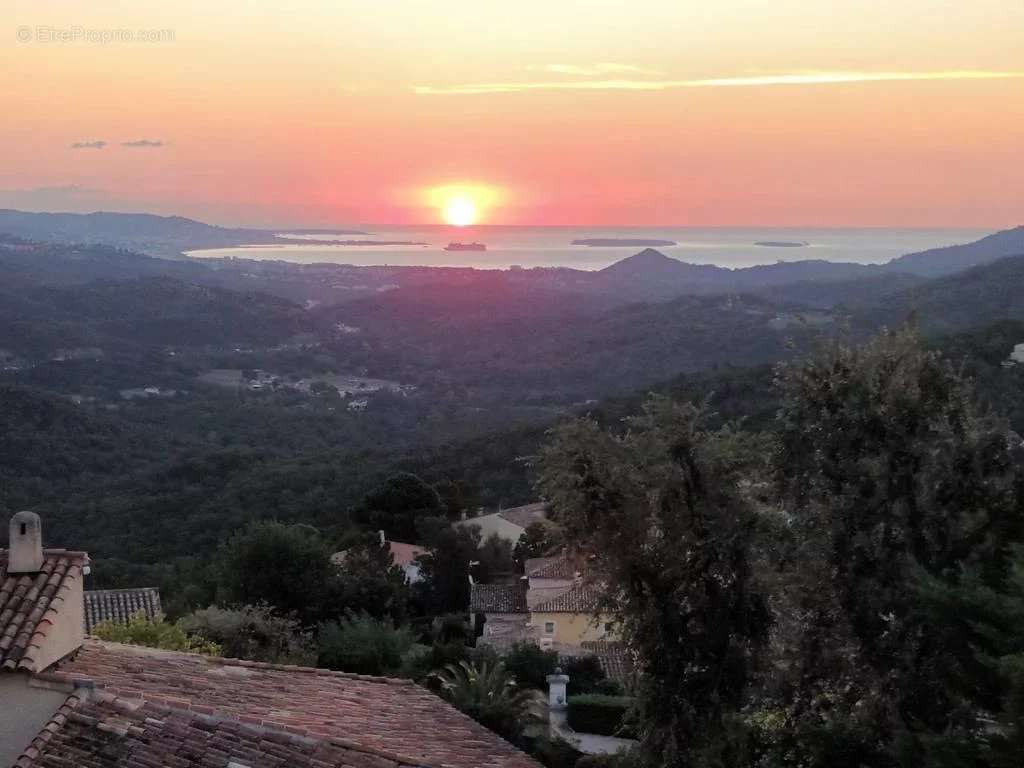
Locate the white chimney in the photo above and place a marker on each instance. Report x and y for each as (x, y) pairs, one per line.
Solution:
(25, 544)
(382, 537)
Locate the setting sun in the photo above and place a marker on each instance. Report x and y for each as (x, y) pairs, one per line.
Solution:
(461, 204)
(460, 211)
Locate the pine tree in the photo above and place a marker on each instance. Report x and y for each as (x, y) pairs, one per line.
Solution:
(661, 510)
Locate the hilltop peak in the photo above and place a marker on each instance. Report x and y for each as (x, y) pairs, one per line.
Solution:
(645, 260)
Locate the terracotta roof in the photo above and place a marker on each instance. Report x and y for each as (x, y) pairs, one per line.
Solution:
(29, 604)
(557, 567)
(119, 605)
(526, 515)
(497, 598)
(52, 728)
(106, 731)
(582, 598)
(614, 657)
(403, 554)
(406, 554)
(192, 710)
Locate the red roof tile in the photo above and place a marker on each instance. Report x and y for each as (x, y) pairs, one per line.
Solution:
(497, 598)
(616, 660)
(557, 567)
(120, 605)
(389, 722)
(582, 598)
(29, 604)
(108, 732)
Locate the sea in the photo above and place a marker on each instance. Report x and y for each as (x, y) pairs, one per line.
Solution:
(510, 247)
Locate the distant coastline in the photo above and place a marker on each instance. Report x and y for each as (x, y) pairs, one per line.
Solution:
(550, 247)
(623, 242)
(782, 243)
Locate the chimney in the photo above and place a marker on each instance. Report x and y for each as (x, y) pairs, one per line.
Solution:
(25, 544)
(383, 538)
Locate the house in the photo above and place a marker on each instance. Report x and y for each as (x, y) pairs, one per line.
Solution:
(550, 576)
(506, 618)
(565, 622)
(563, 603)
(68, 700)
(508, 524)
(404, 556)
(119, 605)
(555, 607)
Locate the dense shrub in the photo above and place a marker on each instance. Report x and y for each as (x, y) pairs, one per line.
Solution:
(421, 660)
(154, 633)
(251, 632)
(600, 714)
(364, 645)
(530, 665)
(585, 675)
(552, 751)
(487, 693)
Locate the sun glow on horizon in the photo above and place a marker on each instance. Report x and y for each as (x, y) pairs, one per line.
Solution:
(460, 211)
(461, 205)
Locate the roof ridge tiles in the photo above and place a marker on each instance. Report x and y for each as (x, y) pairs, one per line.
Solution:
(226, 661)
(46, 733)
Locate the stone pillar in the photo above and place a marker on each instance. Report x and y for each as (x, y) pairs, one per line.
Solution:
(557, 684)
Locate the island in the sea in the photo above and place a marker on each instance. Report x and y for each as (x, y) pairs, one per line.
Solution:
(622, 242)
(466, 247)
(782, 243)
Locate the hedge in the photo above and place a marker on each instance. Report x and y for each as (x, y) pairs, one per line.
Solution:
(600, 714)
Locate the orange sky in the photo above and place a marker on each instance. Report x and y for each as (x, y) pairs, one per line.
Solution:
(733, 112)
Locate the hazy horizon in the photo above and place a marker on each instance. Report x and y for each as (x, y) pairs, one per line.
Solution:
(725, 114)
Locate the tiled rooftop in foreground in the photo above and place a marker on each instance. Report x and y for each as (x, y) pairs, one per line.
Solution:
(394, 719)
(125, 706)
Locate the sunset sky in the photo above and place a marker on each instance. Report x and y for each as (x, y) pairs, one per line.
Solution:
(732, 112)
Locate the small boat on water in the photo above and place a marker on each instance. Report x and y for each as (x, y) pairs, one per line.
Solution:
(466, 247)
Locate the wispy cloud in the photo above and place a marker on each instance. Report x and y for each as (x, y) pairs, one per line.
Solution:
(99, 144)
(628, 84)
(143, 143)
(595, 70)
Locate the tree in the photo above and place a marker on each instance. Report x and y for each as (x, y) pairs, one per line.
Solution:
(493, 559)
(370, 582)
(454, 553)
(538, 540)
(286, 566)
(362, 644)
(251, 632)
(530, 665)
(887, 467)
(397, 504)
(660, 508)
(987, 687)
(487, 693)
(444, 587)
(454, 495)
